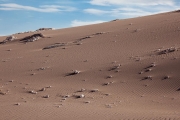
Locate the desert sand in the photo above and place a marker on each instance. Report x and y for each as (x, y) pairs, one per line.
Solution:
(119, 70)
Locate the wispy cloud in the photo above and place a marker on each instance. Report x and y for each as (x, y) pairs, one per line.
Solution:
(135, 8)
(81, 23)
(128, 12)
(44, 8)
(60, 8)
(132, 2)
(96, 11)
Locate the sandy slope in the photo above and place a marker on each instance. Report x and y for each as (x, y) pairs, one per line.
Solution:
(110, 61)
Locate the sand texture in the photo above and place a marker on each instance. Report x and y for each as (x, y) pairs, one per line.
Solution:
(119, 70)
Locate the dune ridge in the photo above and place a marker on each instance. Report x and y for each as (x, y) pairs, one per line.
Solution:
(120, 70)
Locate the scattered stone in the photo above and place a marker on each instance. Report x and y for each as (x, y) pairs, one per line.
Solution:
(148, 77)
(81, 39)
(79, 44)
(87, 102)
(136, 30)
(18, 104)
(110, 76)
(95, 90)
(106, 83)
(166, 77)
(43, 89)
(8, 39)
(115, 67)
(148, 70)
(138, 59)
(80, 96)
(112, 82)
(114, 20)
(55, 45)
(99, 33)
(84, 38)
(43, 29)
(11, 81)
(33, 37)
(82, 90)
(168, 50)
(42, 68)
(33, 73)
(66, 96)
(141, 72)
(106, 94)
(152, 64)
(46, 96)
(32, 92)
(2, 93)
(73, 73)
(49, 87)
(86, 61)
(63, 98)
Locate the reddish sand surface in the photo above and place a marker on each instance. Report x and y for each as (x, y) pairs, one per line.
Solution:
(119, 70)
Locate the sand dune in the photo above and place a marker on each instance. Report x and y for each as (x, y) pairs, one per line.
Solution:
(118, 70)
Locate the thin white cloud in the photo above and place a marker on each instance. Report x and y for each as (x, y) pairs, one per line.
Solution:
(45, 8)
(135, 7)
(128, 12)
(81, 23)
(60, 8)
(95, 11)
(132, 2)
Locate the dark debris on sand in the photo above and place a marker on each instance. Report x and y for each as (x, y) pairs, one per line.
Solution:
(8, 39)
(54, 46)
(75, 72)
(166, 51)
(33, 37)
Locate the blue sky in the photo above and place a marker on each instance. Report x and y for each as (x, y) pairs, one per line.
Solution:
(25, 15)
